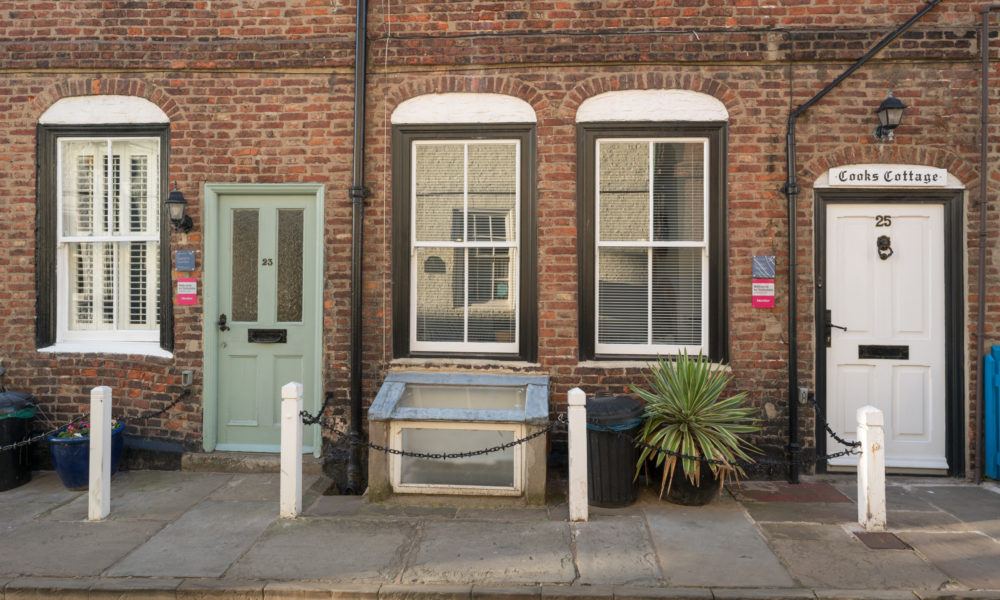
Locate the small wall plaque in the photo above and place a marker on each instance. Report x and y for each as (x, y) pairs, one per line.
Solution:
(184, 260)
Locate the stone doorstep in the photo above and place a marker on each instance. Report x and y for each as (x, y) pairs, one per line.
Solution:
(244, 462)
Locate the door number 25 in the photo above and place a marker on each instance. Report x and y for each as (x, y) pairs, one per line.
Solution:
(880, 221)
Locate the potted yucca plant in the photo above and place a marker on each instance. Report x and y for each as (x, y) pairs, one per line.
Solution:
(686, 414)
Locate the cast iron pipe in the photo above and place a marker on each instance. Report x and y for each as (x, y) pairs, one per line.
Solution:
(791, 193)
(984, 50)
(358, 193)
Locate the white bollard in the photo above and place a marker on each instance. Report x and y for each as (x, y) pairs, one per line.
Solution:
(290, 504)
(871, 469)
(99, 492)
(577, 426)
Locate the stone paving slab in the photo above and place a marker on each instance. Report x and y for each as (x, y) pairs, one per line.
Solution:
(203, 542)
(491, 552)
(812, 512)
(331, 549)
(615, 551)
(72, 549)
(823, 561)
(43, 493)
(971, 558)
(147, 495)
(979, 510)
(714, 545)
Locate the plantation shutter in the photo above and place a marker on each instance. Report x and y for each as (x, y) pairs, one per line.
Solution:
(110, 231)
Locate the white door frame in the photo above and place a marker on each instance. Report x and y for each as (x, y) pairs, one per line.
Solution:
(210, 301)
(954, 281)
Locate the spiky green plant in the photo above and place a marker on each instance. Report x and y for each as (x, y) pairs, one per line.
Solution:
(685, 413)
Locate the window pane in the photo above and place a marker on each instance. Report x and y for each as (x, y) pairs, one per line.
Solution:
(99, 198)
(439, 173)
(494, 469)
(623, 186)
(679, 191)
(139, 285)
(493, 188)
(290, 225)
(440, 316)
(78, 189)
(245, 247)
(623, 296)
(492, 293)
(677, 302)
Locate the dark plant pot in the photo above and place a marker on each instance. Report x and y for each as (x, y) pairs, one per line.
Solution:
(71, 457)
(682, 491)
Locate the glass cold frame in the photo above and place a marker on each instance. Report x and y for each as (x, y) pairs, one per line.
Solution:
(478, 397)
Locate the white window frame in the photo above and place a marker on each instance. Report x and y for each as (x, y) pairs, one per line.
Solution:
(514, 221)
(63, 260)
(703, 244)
(396, 461)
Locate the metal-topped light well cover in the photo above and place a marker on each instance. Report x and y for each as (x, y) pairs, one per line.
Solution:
(175, 204)
(890, 114)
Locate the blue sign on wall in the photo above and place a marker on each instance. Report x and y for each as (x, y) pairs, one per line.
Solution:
(184, 260)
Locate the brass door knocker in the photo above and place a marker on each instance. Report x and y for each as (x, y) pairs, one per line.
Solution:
(884, 247)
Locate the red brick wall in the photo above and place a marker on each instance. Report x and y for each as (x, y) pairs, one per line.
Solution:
(261, 91)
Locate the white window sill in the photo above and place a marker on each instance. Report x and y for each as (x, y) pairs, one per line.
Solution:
(145, 348)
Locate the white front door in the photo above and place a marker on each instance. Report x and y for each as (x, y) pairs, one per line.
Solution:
(886, 309)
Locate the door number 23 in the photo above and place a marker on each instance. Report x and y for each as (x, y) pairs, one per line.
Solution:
(880, 221)
(267, 262)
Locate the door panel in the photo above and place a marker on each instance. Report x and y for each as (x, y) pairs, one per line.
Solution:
(892, 305)
(268, 298)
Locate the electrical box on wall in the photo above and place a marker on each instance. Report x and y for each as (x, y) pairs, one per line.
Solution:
(762, 295)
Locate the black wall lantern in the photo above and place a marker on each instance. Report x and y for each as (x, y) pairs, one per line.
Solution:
(175, 204)
(890, 113)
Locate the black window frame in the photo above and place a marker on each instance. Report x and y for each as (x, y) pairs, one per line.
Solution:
(586, 141)
(46, 234)
(403, 137)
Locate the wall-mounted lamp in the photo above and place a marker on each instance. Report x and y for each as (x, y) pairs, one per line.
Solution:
(890, 113)
(175, 204)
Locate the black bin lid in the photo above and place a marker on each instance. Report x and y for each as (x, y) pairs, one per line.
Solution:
(11, 402)
(608, 409)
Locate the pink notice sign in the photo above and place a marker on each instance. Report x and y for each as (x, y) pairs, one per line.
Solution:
(763, 293)
(187, 291)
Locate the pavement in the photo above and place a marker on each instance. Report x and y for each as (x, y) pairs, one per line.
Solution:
(194, 535)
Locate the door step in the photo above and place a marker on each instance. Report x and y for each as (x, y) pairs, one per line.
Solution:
(244, 462)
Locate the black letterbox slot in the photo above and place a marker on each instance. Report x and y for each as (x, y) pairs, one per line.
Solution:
(884, 352)
(267, 336)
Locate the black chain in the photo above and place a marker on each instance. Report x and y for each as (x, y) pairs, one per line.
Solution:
(41, 436)
(156, 413)
(826, 426)
(746, 465)
(308, 419)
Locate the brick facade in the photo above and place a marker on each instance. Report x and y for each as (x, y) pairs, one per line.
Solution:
(261, 91)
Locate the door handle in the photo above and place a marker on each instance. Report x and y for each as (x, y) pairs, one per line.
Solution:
(222, 323)
(828, 323)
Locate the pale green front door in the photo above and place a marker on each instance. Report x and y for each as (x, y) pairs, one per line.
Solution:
(266, 325)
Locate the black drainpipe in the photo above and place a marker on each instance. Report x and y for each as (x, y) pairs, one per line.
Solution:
(984, 50)
(358, 193)
(791, 190)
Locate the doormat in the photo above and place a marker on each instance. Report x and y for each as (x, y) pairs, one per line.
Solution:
(881, 540)
(782, 491)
